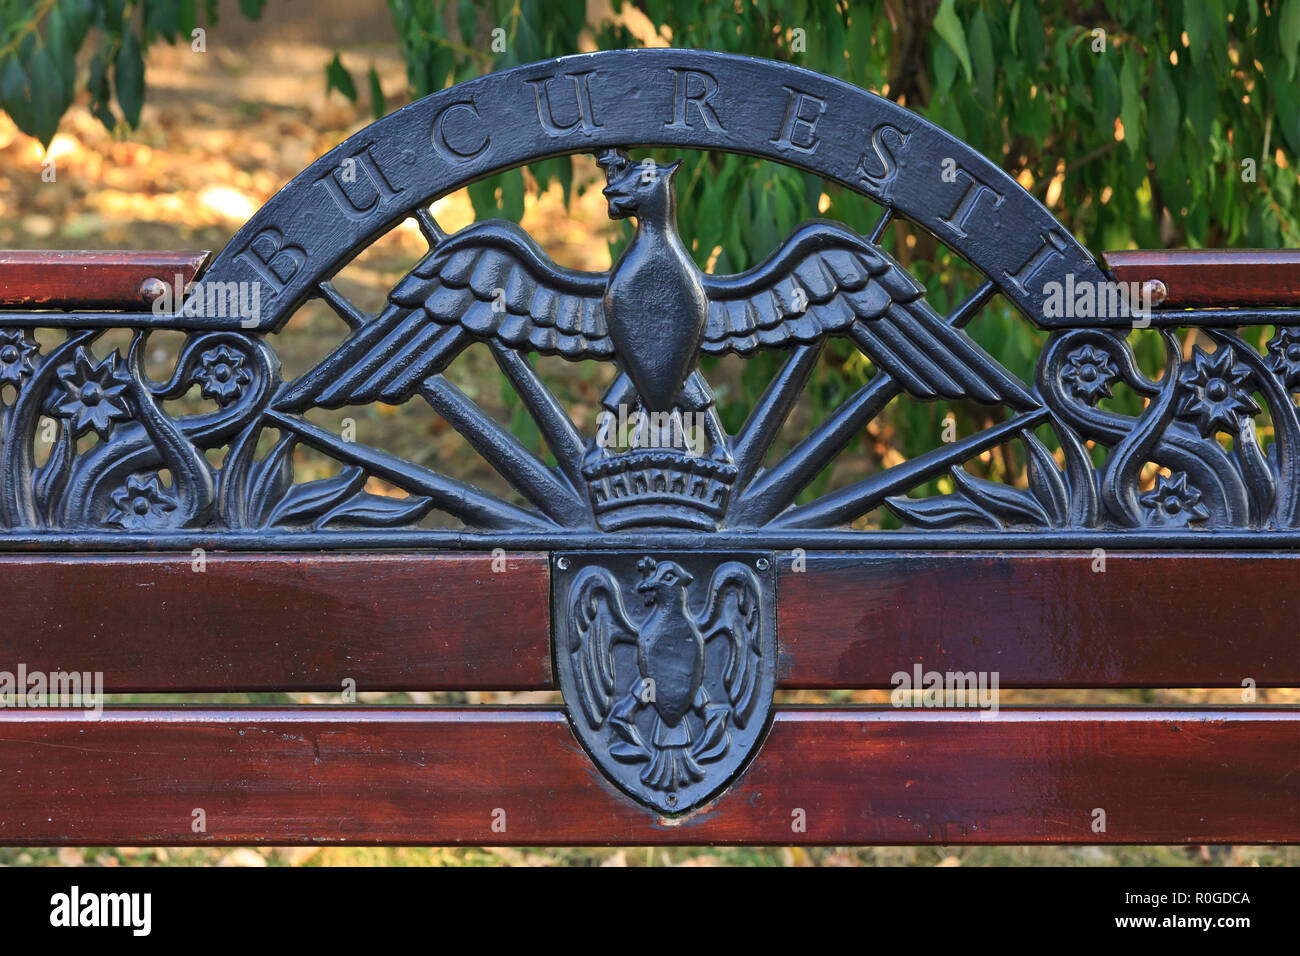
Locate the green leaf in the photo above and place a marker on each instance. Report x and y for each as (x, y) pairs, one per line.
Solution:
(1288, 34)
(1196, 23)
(58, 40)
(13, 94)
(376, 94)
(858, 42)
(160, 20)
(467, 20)
(948, 25)
(558, 169)
(512, 194)
(522, 425)
(129, 79)
(1287, 97)
(1105, 97)
(1162, 112)
(187, 18)
(338, 78)
(483, 197)
(1130, 86)
(981, 51)
(111, 12)
(251, 8)
(1031, 35)
(945, 68)
(1202, 102)
(79, 15)
(47, 95)
(101, 91)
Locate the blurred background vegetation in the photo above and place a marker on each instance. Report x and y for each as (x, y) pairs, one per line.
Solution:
(1138, 123)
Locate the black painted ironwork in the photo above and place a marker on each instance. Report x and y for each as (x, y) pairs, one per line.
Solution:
(652, 315)
(668, 664)
(682, 526)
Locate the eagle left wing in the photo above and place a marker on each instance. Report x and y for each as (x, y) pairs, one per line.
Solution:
(489, 282)
(828, 280)
(597, 621)
(734, 603)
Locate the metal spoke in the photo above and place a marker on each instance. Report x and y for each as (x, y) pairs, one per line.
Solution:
(761, 427)
(883, 223)
(505, 453)
(433, 233)
(342, 305)
(475, 507)
(552, 420)
(856, 500)
(776, 488)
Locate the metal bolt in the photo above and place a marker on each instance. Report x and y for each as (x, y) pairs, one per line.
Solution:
(562, 563)
(151, 289)
(1156, 291)
(761, 564)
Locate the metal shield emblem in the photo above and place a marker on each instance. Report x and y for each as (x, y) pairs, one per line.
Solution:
(667, 663)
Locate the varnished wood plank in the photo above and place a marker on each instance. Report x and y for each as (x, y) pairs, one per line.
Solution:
(1214, 277)
(446, 776)
(90, 279)
(1042, 620)
(282, 622)
(419, 622)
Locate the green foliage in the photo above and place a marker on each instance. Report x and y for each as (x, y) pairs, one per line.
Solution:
(1197, 86)
(40, 39)
(338, 78)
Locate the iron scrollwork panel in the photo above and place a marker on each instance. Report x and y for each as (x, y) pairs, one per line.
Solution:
(121, 460)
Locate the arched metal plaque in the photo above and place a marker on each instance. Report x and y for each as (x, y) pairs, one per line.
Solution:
(627, 98)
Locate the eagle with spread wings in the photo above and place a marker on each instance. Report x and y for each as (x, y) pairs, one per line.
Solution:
(653, 313)
(687, 727)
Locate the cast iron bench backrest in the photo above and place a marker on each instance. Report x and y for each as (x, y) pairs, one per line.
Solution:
(671, 594)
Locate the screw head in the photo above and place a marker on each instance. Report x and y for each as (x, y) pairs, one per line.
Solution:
(152, 289)
(761, 564)
(1157, 290)
(562, 563)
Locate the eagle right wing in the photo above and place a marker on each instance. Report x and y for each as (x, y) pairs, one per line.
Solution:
(734, 605)
(597, 621)
(490, 281)
(827, 280)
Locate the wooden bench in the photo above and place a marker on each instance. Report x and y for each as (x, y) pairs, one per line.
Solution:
(671, 595)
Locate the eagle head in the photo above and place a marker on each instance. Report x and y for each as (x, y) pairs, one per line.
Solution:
(659, 579)
(643, 189)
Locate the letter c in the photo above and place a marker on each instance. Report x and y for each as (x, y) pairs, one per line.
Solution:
(440, 143)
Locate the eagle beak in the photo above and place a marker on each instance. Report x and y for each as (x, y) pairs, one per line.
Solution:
(620, 202)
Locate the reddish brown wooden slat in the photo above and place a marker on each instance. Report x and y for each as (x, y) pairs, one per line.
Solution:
(90, 280)
(418, 622)
(1214, 277)
(437, 776)
(1042, 620)
(281, 622)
